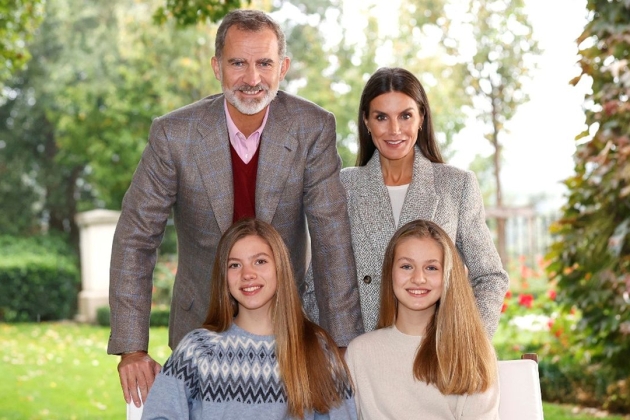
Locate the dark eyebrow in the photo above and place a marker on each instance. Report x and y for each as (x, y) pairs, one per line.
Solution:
(376, 111)
(261, 254)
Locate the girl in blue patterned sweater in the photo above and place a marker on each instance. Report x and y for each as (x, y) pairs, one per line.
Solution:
(257, 355)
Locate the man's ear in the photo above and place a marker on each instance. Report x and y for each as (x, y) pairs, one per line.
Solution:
(216, 67)
(284, 67)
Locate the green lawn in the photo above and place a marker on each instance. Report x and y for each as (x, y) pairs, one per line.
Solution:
(62, 371)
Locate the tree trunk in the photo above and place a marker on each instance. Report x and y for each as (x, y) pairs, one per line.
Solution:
(501, 240)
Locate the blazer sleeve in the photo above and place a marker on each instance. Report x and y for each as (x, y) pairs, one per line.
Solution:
(145, 210)
(488, 278)
(334, 271)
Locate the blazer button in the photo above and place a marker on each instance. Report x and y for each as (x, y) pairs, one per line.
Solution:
(367, 279)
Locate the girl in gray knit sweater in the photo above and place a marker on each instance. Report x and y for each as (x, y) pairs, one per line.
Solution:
(257, 355)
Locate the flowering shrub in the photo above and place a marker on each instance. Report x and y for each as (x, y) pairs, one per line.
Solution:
(533, 321)
(163, 279)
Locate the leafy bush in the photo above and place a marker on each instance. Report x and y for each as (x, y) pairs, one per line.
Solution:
(159, 316)
(163, 279)
(103, 315)
(591, 253)
(534, 321)
(39, 279)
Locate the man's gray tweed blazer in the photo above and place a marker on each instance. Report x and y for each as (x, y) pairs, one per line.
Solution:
(186, 167)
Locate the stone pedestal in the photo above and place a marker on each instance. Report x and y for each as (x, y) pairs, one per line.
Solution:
(96, 230)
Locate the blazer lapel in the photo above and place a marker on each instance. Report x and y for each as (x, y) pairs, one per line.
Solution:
(374, 205)
(276, 154)
(212, 155)
(422, 200)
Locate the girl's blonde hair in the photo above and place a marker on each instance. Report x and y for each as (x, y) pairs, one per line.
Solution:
(303, 349)
(456, 354)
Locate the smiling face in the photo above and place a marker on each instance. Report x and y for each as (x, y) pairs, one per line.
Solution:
(251, 275)
(393, 121)
(417, 275)
(250, 69)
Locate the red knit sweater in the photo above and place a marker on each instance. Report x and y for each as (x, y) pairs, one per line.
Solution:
(244, 178)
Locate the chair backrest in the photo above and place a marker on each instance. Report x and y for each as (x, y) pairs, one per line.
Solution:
(133, 412)
(519, 385)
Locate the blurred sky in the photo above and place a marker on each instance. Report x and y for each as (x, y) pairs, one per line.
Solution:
(538, 151)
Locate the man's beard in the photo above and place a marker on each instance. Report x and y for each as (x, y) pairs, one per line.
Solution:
(249, 106)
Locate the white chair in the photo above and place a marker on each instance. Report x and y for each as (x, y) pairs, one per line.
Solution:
(133, 412)
(519, 385)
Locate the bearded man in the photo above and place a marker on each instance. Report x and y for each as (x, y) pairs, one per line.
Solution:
(251, 151)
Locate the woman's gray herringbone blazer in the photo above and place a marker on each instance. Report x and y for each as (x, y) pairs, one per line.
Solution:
(438, 192)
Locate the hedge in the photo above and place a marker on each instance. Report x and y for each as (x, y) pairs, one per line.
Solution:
(158, 318)
(39, 279)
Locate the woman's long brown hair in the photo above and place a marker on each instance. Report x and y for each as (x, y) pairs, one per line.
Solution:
(456, 354)
(303, 348)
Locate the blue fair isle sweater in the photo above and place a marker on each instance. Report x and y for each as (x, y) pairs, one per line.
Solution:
(228, 375)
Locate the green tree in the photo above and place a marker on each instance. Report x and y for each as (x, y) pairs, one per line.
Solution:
(417, 48)
(18, 21)
(76, 120)
(333, 74)
(591, 252)
(191, 12)
(502, 56)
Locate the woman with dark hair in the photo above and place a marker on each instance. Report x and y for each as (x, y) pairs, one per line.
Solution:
(430, 357)
(257, 355)
(400, 176)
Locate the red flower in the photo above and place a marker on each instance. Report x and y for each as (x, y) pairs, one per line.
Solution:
(526, 300)
(508, 294)
(550, 323)
(552, 294)
(525, 271)
(504, 307)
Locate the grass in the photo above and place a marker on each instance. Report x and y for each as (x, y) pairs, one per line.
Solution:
(62, 371)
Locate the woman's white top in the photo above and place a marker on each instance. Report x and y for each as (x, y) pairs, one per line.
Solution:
(397, 196)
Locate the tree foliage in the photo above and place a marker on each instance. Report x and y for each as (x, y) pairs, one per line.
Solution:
(591, 254)
(18, 21)
(76, 120)
(190, 12)
(503, 49)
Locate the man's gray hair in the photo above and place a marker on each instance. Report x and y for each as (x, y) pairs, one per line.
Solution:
(251, 21)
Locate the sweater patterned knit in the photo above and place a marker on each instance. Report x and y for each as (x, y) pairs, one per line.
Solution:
(381, 366)
(229, 375)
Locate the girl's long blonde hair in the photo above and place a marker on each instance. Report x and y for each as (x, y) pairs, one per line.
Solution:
(456, 354)
(313, 371)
